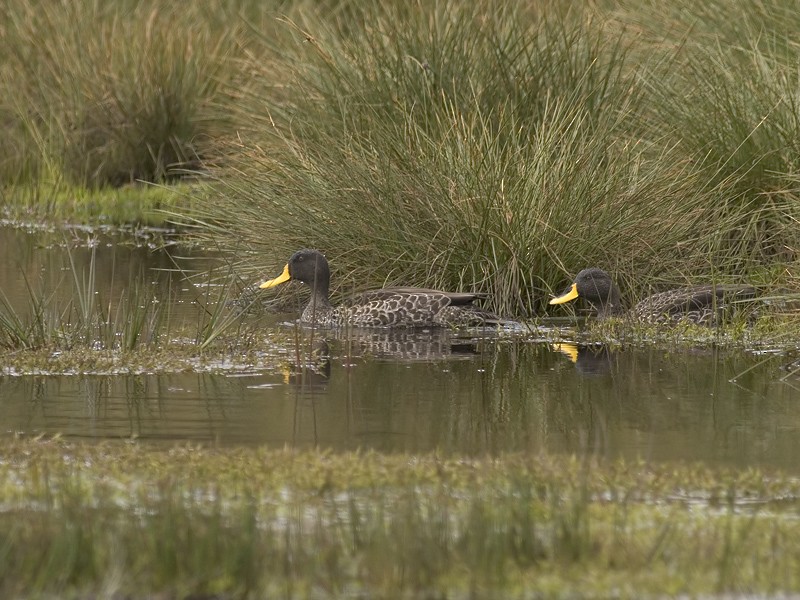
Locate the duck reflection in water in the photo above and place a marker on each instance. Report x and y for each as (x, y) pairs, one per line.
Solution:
(406, 345)
(588, 360)
(315, 350)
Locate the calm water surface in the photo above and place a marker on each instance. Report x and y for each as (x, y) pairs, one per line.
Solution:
(52, 265)
(415, 392)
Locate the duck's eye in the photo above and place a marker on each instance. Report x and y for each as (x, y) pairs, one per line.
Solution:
(300, 258)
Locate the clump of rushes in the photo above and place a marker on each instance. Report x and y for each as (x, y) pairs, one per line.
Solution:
(110, 94)
(117, 519)
(471, 146)
(727, 97)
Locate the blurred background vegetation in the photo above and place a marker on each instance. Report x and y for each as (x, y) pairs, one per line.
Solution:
(493, 145)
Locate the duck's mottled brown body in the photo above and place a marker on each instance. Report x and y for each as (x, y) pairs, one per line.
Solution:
(388, 307)
(697, 304)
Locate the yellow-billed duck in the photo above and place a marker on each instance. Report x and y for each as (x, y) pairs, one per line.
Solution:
(388, 307)
(697, 304)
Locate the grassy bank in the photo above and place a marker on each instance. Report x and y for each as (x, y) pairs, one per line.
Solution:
(124, 519)
(65, 204)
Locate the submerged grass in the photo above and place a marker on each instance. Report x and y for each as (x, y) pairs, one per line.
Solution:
(135, 520)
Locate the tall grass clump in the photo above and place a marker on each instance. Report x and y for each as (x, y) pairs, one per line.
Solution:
(474, 146)
(19, 159)
(113, 93)
(728, 98)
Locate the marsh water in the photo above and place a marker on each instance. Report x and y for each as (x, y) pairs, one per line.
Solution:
(465, 393)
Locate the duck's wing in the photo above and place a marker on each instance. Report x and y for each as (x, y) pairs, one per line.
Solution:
(455, 298)
(387, 307)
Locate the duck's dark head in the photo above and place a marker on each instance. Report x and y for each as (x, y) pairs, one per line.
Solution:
(596, 287)
(308, 266)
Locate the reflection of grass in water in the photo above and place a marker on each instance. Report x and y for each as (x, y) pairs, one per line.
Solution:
(124, 518)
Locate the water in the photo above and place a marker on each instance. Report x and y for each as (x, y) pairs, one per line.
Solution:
(40, 263)
(395, 391)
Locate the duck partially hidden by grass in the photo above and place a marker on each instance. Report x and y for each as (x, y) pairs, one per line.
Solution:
(388, 307)
(700, 304)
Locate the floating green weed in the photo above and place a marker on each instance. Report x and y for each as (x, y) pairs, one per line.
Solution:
(255, 522)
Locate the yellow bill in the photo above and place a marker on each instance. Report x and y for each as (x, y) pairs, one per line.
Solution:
(282, 278)
(570, 295)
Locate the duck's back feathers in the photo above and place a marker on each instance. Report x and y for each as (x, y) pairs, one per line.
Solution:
(700, 304)
(455, 298)
(414, 307)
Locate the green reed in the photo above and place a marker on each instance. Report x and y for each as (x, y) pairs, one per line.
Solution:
(23, 332)
(138, 316)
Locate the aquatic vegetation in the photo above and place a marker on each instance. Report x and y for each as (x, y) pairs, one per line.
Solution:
(103, 324)
(126, 518)
(85, 321)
